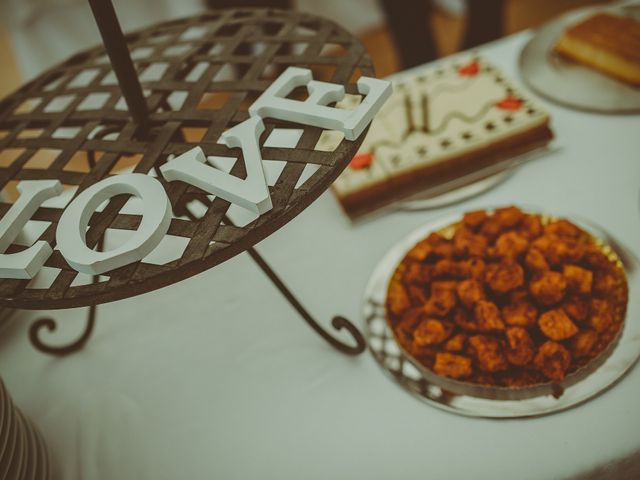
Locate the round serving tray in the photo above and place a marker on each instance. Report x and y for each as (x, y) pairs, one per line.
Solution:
(199, 76)
(431, 388)
(569, 83)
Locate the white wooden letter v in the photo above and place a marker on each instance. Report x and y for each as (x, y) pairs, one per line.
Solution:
(251, 193)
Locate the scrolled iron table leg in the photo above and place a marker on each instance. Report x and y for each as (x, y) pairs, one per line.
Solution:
(338, 322)
(49, 323)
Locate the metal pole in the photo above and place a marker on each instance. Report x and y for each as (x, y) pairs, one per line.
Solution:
(118, 52)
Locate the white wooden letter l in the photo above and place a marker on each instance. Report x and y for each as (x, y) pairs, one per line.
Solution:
(27, 263)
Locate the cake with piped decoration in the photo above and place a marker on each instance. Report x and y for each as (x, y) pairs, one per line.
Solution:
(447, 121)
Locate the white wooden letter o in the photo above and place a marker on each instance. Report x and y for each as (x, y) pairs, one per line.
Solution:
(72, 227)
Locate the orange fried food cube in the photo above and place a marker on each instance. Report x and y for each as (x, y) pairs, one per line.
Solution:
(469, 292)
(582, 344)
(530, 226)
(595, 258)
(456, 343)
(521, 313)
(491, 228)
(504, 277)
(560, 250)
(421, 251)
(488, 353)
(601, 315)
(511, 245)
(562, 228)
(605, 282)
(442, 299)
(578, 279)
(520, 347)
(468, 243)
(406, 326)
(488, 317)
(571, 250)
(417, 294)
(549, 288)
(398, 300)
(475, 267)
(535, 261)
(444, 250)
(577, 308)
(475, 219)
(464, 320)
(553, 360)
(452, 365)
(432, 331)
(434, 246)
(417, 273)
(509, 216)
(557, 325)
(435, 238)
(543, 243)
(447, 268)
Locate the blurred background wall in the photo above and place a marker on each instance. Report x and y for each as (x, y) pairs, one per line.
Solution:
(36, 34)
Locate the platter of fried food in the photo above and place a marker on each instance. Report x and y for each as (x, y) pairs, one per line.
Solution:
(508, 305)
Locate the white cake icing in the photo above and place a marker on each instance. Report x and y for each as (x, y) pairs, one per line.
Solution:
(446, 111)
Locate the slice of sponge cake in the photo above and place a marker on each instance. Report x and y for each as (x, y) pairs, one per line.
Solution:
(606, 42)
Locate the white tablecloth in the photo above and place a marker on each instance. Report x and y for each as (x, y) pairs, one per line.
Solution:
(217, 376)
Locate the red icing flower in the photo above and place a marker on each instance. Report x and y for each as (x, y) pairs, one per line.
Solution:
(510, 103)
(361, 160)
(470, 69)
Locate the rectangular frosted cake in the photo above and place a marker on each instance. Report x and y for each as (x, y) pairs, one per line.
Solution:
(447, 121)
(608, 43)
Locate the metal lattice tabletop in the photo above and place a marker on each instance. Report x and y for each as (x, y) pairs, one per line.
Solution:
(199, 76)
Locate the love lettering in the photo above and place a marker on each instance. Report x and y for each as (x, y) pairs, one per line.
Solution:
(191, 167)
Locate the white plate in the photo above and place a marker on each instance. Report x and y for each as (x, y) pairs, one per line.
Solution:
(402, 369)
(570, 83)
